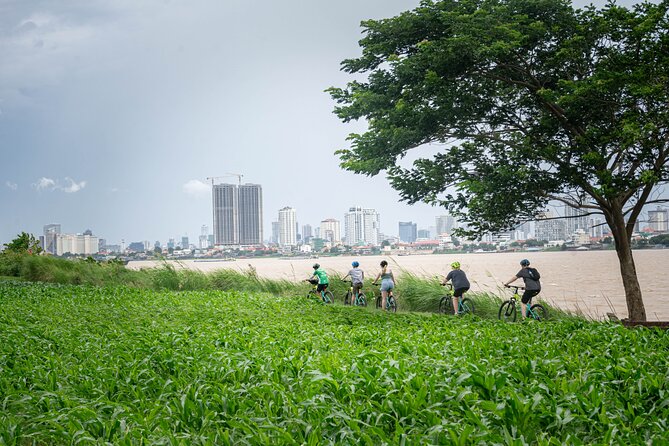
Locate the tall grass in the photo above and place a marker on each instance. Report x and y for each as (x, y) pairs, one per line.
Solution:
(414, 293)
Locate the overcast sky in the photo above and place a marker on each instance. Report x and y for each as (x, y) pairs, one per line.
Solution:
(112, 114)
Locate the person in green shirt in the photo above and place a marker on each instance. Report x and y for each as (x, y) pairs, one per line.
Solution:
(321, 276)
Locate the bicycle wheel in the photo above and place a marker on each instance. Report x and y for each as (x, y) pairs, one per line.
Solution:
(347, 299)
(328, 297)
(446, 305)
(538, 312)
(378, 301)
(362, 300)
(507, 312)
(392, 304)
(311, 294)
(466, 306)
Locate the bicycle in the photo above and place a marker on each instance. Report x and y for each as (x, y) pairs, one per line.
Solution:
(465, 304)
(508, 313)
(391, 303)
(325, 295)
(359, 300)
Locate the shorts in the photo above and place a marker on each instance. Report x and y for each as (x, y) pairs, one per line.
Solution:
(356, 288)
(387, 284)
(460, 291)
(528, 295)
(322, 287)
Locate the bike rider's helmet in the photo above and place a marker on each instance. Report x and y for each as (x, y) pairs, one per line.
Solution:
(316, 266)
(455, 265)
(355, 264)
(524, 262)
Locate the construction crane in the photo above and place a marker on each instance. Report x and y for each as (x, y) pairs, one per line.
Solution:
(227, 175)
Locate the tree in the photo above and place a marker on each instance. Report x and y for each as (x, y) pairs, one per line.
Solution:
(524, 102)
(24, 243)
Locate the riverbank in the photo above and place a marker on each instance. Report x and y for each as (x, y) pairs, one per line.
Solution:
(583, 281)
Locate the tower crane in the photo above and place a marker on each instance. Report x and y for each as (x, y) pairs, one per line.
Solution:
(226, 175)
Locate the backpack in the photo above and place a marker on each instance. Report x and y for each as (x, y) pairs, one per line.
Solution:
(534, 274)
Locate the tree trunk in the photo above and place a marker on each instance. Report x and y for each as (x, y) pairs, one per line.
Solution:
(635, 308)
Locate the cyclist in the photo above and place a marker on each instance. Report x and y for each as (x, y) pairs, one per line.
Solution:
(532, 285)
(387, 282)
(320, 276)
(357, 278)
(458, 279)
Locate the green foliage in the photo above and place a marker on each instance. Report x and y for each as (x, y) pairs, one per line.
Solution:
(129, 366)
(23, 243)
(662, 239)
(527, 101)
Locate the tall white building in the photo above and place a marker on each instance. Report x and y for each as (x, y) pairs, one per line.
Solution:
(445, 224)
(76, 244)
(330, 230)
(575, 219)
(50, 236)
(287, 227)
(362, 226)
(237, 214)
(658, 220)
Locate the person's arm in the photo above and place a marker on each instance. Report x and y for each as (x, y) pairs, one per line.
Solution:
(347, 274)
(511, 280)
(377, 278)
(446, 279)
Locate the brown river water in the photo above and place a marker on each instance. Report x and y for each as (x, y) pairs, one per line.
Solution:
(585, 281)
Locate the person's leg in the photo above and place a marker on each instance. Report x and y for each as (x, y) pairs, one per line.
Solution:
(384, 299)
(527, 298)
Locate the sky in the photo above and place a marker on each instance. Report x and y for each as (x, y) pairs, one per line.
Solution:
(114, 114)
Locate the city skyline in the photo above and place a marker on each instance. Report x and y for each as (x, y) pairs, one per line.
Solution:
(114, 114)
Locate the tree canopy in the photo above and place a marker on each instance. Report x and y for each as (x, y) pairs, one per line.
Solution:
(526, 101)
(24, 243)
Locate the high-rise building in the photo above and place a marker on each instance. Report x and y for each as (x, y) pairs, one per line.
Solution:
(237, 214)
(50, 235)
(575, 219)
(423, 233)
(184, 242)
(287, 227)
(77, 244)
(307, 233)
(204, 237)
(362, 226)
(658, 220)
(408, 231)
(250, 214)
(330, 230)
(275, 233)
(549, 228)
(225, 206)
(445, 224)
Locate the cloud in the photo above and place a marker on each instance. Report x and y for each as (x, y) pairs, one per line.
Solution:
(12, 186)
(196, 188)
(45, 184)
(74, 186)
(51, 184)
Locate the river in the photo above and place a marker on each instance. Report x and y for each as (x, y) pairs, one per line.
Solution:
(585, 281)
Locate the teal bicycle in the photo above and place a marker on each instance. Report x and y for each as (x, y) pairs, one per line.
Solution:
(465, 304)
(326, 296)
(391, 303)
(358, 299)
(508, 313)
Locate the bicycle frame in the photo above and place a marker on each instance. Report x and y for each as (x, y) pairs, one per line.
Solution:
(517, 298)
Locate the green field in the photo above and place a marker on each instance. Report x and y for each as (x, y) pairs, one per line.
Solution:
(87, 365)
